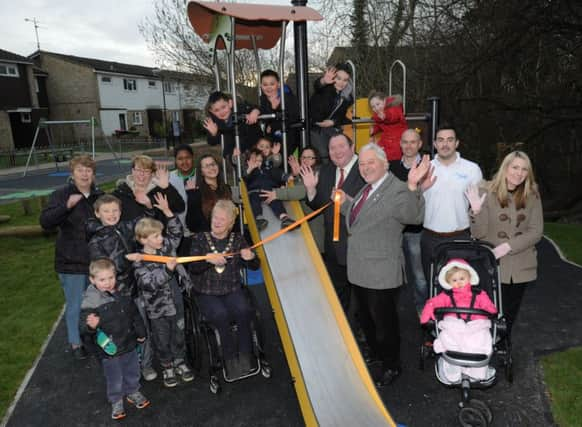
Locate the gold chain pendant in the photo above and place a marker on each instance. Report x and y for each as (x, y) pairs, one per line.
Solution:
(219, 268)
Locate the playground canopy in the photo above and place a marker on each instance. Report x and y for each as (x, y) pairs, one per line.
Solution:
(258, 20)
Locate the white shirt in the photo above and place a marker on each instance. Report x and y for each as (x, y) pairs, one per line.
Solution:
(374, 186)
(347, 168)
(446, 207)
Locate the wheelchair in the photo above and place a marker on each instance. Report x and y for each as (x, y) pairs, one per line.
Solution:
(203, 344)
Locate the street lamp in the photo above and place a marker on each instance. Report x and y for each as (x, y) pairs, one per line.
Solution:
(158, 72)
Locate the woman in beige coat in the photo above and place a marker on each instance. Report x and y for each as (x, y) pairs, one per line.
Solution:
(507, 212)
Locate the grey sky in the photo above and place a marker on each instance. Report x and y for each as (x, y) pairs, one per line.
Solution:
(106, 29)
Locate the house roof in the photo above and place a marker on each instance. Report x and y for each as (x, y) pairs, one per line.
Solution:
(13, 57)
(121, 68)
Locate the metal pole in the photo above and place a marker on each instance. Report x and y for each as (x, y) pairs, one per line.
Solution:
(434, 121)
(403, 67)
(258, 65)
(300, 38)
(31, 148)
(217, 82)
(164, 114)
(282, 77)
(354, 112)
(234, 100)
(93, 135)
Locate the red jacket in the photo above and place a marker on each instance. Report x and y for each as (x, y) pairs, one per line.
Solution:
(392, 127)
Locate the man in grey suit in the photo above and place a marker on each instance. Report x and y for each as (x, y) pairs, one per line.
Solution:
(375, 219)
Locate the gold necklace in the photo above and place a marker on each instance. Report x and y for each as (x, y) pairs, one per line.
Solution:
(220, 268)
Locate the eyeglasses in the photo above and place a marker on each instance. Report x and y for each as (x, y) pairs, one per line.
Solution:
(308, 158)
(449, 139)
(209, 165)
(142, 171)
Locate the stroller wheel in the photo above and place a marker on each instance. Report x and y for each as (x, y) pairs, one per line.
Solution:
(482, 406)
(422, 357)
(509, 369)
(215, 387)
(471, 417)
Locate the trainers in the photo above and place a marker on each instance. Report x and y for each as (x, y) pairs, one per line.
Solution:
(138, 400)
(170, 377)
(262, 223)
(286, 222)
(184, 372)
(149, 374)
(117, 410)
(79, 353)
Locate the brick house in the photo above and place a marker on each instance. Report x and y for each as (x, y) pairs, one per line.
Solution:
(23, 100)
(124, 98)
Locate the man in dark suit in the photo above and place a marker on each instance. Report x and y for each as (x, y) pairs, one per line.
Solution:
(342, 173)
(376, 217)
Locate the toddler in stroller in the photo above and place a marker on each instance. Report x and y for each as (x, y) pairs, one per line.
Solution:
(463, 337)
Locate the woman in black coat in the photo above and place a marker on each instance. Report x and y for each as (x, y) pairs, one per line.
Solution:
(68, 209)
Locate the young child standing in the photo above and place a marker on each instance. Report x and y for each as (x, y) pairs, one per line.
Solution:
(463, 333)
(389, 119)
(262, 174)
(160, 287)
(112, 324)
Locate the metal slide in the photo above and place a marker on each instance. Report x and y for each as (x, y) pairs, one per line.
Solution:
(331, 379)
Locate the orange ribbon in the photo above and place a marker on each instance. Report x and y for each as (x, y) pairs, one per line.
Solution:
(336, 216)
(184, 259)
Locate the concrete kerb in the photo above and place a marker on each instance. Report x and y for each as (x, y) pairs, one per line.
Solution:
(31, 371)
(561, 254)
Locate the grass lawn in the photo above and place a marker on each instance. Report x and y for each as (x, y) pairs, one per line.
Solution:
(568, 237)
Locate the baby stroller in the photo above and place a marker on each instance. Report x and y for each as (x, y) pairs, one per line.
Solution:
(203, 341)
(479, 255)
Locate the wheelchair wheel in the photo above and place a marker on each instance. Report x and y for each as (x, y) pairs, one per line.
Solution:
(471, 417)
(266, 370)
(482, 406)
(214, 385)
(194, 339)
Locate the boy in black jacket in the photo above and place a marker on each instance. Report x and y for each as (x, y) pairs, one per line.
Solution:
(160, 287)
(262, 174)
(112, 326)
(221, 121)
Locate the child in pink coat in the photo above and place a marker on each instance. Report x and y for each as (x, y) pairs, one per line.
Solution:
(464, 333)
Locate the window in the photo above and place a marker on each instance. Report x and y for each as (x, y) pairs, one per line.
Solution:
(130, 84)
(175, 116)
(168, 87)
(36, 85)
(137, 119)
(25, 117)
(152, 83)
(105, 79)
(8, 70)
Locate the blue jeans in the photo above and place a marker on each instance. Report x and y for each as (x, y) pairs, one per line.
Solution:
(414, 270)
(74, 286)
(121, 375)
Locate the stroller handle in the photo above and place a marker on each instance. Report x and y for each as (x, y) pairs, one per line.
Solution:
(441, 312)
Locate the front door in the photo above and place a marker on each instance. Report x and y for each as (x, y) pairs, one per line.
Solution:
(122, 122)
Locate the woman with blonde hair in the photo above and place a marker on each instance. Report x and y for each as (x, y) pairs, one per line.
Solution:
(507, 212)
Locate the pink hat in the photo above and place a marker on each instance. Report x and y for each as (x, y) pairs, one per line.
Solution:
(459, 263)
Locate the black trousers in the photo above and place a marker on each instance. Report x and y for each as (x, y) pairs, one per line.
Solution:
(339, 277)
(378, 316)
(512, 295)
(257, 205)
(168, 340)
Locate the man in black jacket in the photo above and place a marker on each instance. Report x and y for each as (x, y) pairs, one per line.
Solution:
(342, 173)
